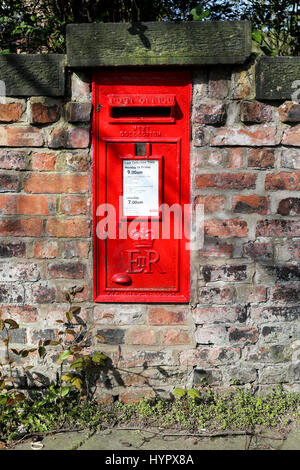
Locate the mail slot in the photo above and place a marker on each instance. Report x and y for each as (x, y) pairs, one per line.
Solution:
(141, 137)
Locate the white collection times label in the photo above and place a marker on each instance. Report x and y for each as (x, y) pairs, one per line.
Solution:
(140, 188)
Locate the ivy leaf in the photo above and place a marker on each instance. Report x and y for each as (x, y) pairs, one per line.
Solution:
(69, 316)
(65, 391)
(195, 394)
(179, 392)
(99, 358)
(13, 325)
(77, 383)
(257, 36)
(67, 377)
(42, 351)
(64, 356)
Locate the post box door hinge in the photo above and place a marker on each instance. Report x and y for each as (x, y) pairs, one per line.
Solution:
(99, 106)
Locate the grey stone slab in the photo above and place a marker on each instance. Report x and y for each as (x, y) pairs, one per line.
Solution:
(32, 75)
(278, 78)
(158, 43)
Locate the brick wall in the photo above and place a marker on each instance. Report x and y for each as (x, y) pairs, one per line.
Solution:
(242, 321)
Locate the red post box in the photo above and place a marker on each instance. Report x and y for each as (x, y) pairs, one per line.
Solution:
(141, 185)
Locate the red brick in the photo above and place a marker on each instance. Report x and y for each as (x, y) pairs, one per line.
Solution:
(10, 112)
(12, 160)
(215, 249)
(254, 111)
(209, 113)
(13, 204)
(292, 136)
(136, 396)
(235, 157)
(43, 161)
(141, 336)
(74, 205)
(40, 293)
(283, 181)
(45, 249)
(78, 112)
(225, 228)
(75, 270)
(278, 228)
(289, 112)
(165, 316)
(294, 249)
(175, 337)
(243, 335)
(21, 227)
(21, 136)
(42, 113)
(244, 136)
(250, 204)
(81, 296)
(68, 228)
(56, 183)
(261, 158)
(257, 294)
(226, 180)
(289, 206)
(74, 137)
(203, 157)
(211, 203)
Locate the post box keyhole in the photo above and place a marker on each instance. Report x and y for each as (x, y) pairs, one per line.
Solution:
(140, 149)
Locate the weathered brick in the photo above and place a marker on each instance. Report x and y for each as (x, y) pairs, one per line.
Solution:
(215, 295)
(243, 335)
(289, 206)
(136, 395)
(254, 111)
(68, 228)
(11, 293)
(251, 294)
(141, 336)
(234, 272)
(43, 113)
(244, 136)
(294, 249)
(250, 204)
(211, 335)
(18, 336)
(202, 377)
(284, 294)
(56, 183)
(74, 270)
(208, 357)
(112, 335)
(201, 135)
(278, 228)
(261, 158)
(203, 157)
(225, 228)
(129, 315)
(211, 203)
(45, 249)
(74, 137)
(258, 250)
(74, 205)
(209, 113)
(43, 161)
(283, 181)
(78, 112)
(204, 315)
(21, 136)
(172, 336)
(261, 314)
(77, 160)
(284, 273)
(11, 112)
(292, 136)
(21, 227)
(14, 204)
(226, 180)
(165, 316)
(19, 272)
(12, 249)
(12, 160)
(23, 314)
(41, 293)
(80, 85)
(8, 183)
(76, 249)
(289, 112)
(290, 158)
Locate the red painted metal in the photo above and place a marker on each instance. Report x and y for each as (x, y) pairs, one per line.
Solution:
(141, 126)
